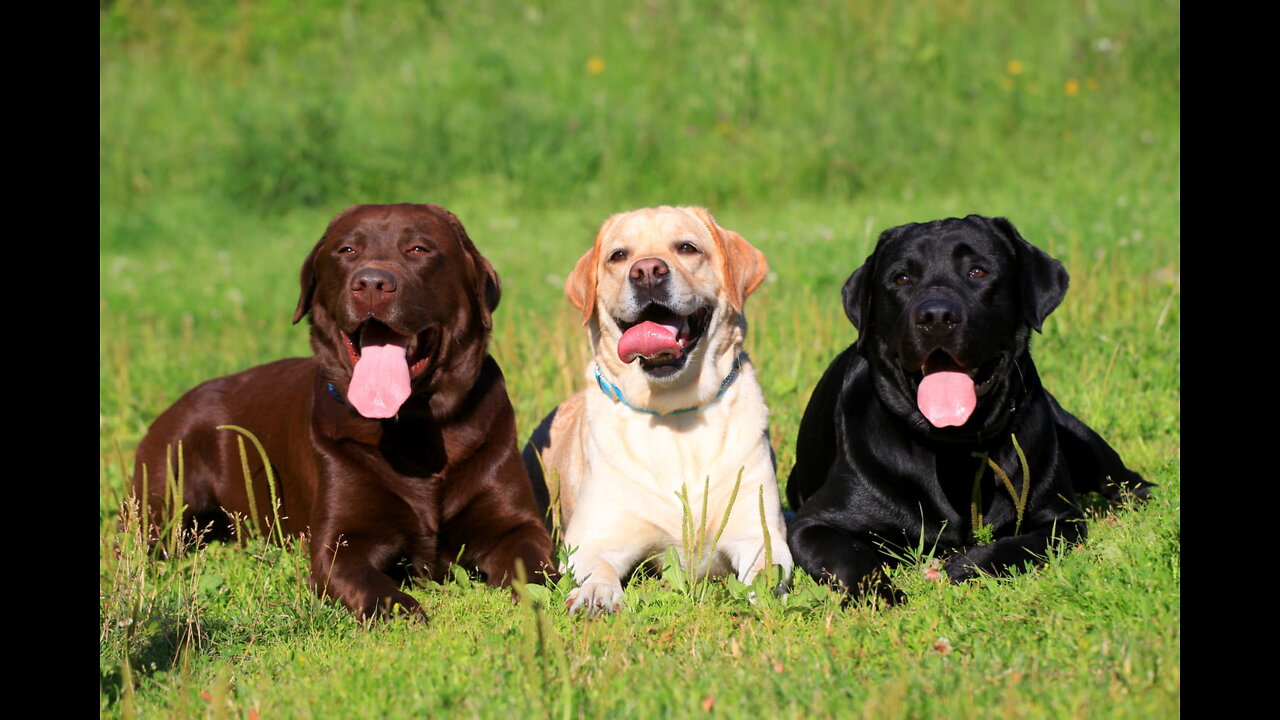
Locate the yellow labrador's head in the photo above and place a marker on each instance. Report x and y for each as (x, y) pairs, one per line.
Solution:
(662, 291)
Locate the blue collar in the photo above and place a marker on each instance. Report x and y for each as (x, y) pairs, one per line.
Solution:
(336, 395)
(613, 391)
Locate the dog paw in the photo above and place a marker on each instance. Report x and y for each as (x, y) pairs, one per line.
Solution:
(392, 606)
(594, 599)
(961, 568)
(780, 591)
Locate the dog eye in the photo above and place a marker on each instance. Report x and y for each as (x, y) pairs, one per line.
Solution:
(618, 256)
(977, 272)
(419, 250)
(687, 248)
(902, 279)
(346, 250)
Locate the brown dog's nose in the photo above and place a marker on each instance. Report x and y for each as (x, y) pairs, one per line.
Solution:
(938, 315)
(649, 272)
(373, 278)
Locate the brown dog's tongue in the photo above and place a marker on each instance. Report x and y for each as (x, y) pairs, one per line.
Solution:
(648, 339)
(946, 398)
(380, 381)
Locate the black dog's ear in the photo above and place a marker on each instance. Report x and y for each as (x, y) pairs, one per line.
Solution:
(308, 283)
(857, 291)
(857, 294)
(1043, 279)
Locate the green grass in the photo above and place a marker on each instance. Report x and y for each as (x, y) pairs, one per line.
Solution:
(229, 135)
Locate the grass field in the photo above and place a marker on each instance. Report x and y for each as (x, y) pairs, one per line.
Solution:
(230, 134)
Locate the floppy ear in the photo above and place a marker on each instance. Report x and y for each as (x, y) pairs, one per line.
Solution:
(487, 284)
(857, 289)
(580, 286)
(308, 283)
(745, 267)
(308, 279)
(857, 294)
(1043, 280)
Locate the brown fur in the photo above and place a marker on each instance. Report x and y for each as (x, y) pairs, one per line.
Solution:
(403, 495)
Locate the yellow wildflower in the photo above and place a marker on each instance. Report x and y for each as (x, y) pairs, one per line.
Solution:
(595, 65)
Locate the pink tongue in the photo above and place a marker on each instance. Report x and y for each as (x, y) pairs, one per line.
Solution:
(946, 398)
(380, 382)
(648, 339)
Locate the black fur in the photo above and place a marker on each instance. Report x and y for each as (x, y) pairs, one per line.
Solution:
(873, 477)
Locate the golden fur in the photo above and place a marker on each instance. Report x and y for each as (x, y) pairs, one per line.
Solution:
(619, 469)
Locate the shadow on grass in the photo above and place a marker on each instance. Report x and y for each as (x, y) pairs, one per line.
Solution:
(156, 652)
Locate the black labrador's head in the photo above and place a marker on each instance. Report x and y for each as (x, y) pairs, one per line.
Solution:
(945, 311)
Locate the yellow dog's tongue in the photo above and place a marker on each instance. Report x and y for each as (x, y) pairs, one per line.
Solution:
(946, 398)
(380, 381)
(649, 339)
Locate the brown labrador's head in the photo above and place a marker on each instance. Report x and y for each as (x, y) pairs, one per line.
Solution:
(662, 290)
(401, 304)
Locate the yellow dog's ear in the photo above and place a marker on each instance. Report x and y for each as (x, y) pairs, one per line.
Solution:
(744, 266)
(580, 286)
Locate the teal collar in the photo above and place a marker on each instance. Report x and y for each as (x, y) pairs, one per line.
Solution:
(615, 392)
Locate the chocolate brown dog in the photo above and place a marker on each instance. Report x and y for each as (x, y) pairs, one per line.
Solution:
(394, 445)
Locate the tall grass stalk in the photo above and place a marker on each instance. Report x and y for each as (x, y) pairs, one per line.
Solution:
(699, 555)
(276, 528)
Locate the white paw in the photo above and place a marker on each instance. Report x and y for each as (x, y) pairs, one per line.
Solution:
(595, 598)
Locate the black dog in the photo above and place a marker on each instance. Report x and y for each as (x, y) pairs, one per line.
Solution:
(898, 441)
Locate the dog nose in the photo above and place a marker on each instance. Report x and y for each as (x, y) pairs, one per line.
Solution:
(649, 272)
(938, 315)
(375, 278)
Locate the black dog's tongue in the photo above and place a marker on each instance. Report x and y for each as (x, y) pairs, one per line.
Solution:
(380, 381)
(946, 398)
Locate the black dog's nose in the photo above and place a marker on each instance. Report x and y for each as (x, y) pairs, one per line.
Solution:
(649, 272)
(938, 315)
(375, 278)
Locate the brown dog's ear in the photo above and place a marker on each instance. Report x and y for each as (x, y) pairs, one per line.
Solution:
(1042, 278)
(490, 287)
(308, 283)
(745, 267)
(487, 284)
(309, 267)
(580, 286)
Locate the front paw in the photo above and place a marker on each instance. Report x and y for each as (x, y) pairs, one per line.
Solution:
(595, 598)
(397, 605)
(776, 578)
(967, 565)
